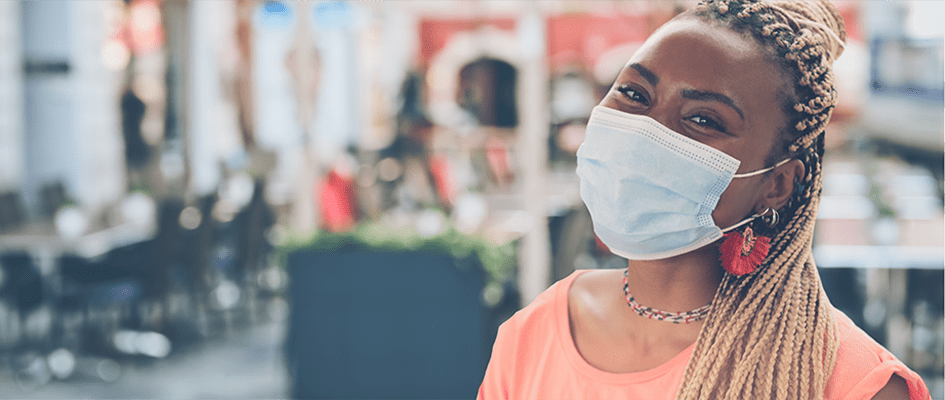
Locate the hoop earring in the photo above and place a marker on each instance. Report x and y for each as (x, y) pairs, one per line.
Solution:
(770, 220)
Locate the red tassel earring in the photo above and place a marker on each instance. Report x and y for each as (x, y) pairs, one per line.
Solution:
(742, 253)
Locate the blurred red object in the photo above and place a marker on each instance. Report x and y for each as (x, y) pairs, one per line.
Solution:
(443, 179)
(337, 202)
(497, 155)
(146, 33)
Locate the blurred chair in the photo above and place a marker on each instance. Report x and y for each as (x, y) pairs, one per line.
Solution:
(104, 294)
(12, 211)
(52, 196)
(21, 291)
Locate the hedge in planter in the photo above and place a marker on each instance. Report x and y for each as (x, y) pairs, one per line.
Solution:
(379, 315)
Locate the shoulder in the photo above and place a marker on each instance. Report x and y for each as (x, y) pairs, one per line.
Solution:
(586, 295)
(545, 315)
(543, 328)
(863, 367)
(528, 343)
(545, 308)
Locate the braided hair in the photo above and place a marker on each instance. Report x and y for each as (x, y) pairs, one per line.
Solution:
(771, 333)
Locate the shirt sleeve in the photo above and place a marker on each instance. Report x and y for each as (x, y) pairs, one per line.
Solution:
(874, 381)
(864, 367)
(495, 384)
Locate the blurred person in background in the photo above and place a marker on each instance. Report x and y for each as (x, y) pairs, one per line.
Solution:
(702, 167)
(137, 150)
(413, 176)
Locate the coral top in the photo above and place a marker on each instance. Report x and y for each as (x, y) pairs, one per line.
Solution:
(534, 357)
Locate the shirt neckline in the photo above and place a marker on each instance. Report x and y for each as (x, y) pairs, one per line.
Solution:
(566, 341)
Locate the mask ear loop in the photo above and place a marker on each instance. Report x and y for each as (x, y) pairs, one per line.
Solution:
(761, 171)
(774, 213)
(744, 221)
(770, 221)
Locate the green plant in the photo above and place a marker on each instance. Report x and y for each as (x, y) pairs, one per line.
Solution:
(497, 261)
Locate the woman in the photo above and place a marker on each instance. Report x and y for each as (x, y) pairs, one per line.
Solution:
(715, 125)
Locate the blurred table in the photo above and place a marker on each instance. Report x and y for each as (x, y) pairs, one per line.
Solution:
(42, 240)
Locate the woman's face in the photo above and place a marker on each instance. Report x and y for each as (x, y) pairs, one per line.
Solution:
(714, 86)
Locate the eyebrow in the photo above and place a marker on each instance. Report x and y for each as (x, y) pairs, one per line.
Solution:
(647, 74)
(693, 94)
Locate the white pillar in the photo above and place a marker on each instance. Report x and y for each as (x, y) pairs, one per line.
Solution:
(208, 20)
(275, 111)
(11, 94)
(100, 178)
(304, 205)
(48, 100)
(535, 252)
(70, 128)
(70, 114)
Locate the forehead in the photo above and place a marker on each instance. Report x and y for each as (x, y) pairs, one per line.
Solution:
(693, 28)
(704, 56)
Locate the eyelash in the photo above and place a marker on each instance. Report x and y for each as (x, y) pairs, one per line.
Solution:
(629, 93)
(636, 96)
(709, 122)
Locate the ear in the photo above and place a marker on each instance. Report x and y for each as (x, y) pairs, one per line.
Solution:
(781, 184)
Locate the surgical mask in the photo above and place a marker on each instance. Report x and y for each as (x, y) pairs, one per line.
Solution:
(651, 191)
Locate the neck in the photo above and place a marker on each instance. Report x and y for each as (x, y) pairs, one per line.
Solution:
(680, 283)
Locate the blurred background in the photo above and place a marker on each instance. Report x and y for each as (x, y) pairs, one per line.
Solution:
(331, 199)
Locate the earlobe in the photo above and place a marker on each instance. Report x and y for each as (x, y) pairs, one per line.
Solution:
(783, 179)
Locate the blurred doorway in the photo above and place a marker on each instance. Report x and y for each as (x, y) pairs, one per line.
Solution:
(487, 91)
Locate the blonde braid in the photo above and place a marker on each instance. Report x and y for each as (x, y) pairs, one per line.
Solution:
(771, 334)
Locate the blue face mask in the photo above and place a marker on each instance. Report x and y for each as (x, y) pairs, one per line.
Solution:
(651, 191)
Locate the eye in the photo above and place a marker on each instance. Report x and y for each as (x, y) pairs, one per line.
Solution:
(707, 122)
(633, 95)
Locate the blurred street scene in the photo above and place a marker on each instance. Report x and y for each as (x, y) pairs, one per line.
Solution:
(271, 199)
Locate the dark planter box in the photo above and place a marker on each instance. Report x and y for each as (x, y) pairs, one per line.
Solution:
(386, 325)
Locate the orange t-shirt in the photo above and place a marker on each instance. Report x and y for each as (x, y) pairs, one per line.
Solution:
(534, 357)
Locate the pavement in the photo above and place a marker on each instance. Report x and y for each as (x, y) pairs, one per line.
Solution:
(246, 364)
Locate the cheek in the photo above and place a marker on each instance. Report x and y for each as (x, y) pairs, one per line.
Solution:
(737, 202)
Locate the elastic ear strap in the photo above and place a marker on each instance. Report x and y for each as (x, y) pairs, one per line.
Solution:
(761, 171)
(742, 222)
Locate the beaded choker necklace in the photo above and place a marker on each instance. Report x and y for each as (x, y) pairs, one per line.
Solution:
(674, 317)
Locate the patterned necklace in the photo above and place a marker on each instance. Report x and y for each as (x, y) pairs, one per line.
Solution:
(674, 317)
